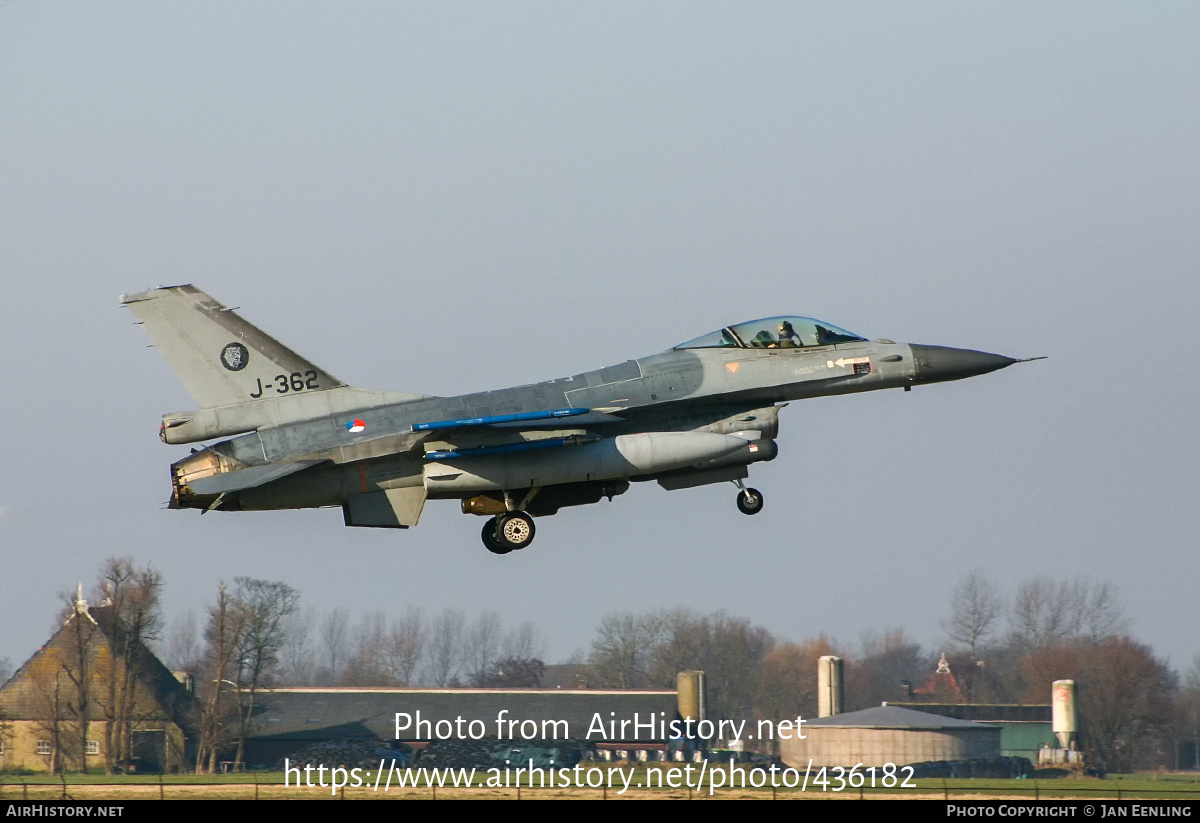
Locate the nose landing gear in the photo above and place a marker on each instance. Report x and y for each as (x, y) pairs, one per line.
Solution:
(750, 501)
(507, 532)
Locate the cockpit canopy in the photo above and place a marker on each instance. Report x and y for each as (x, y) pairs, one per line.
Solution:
(773, 333)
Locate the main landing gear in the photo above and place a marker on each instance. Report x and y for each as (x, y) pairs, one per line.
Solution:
(749, 501)
(506, 532)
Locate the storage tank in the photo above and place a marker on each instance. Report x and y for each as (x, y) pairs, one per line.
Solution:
(830, 691)
(1064, 720)
(889, 734)
(690, 686)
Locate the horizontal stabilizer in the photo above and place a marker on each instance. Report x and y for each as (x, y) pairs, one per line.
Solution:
(247, 478)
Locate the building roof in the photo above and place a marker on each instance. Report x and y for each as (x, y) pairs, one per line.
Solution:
(941, 685)
(325, 713)
(984, 712)
(893, 717)
(21, 698)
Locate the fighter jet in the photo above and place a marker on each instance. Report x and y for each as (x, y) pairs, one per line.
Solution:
(701, 412)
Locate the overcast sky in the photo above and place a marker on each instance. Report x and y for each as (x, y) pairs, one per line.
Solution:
(450, 197)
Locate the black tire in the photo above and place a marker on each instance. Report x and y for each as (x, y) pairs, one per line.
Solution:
(750, 501)
(514, 530)
(489, 538)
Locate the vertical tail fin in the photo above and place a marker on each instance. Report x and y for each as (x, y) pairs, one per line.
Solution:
(220, 358)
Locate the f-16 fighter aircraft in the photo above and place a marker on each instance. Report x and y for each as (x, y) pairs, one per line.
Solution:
(698, 413)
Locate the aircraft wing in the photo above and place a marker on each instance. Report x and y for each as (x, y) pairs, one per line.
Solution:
(247, 478)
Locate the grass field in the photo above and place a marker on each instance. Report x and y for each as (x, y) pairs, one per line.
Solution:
(270, 786)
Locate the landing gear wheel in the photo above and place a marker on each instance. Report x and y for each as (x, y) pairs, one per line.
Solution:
(514, 530)
(749, 501)
(489, 538)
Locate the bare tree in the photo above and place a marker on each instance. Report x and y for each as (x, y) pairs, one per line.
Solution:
(482, 647)
(633, 651)
(49, 712)
(445, 646)
(514, 673)
(524, 643)
(1124, 697)
(83, 672)
(622, 651)
(1191, 679)
(265, 605)
(367, 665)
(682, 644)
(514, 661)
(405, 645)
(183, 646)
(628, 649)
(1045, 613)
(975, 608)
(788, 686)
(733, 664)
(1102, 614)
(335, 634)
(1125, 703)
(130, 607)
(297, 664)
(8, 732)
(887, 661)
(222, 635)
(1189, 713)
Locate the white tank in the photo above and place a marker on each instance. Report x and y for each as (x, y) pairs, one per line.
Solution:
(829, 686)
(1064, 718)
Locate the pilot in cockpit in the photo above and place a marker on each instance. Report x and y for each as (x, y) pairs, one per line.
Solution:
(788, 339)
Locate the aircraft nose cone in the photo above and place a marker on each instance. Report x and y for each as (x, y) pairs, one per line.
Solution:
(937, 363)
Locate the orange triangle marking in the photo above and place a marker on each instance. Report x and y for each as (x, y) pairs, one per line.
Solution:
(733, 367)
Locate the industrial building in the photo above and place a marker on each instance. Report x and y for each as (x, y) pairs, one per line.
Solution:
(296, 717)
(933, 723)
